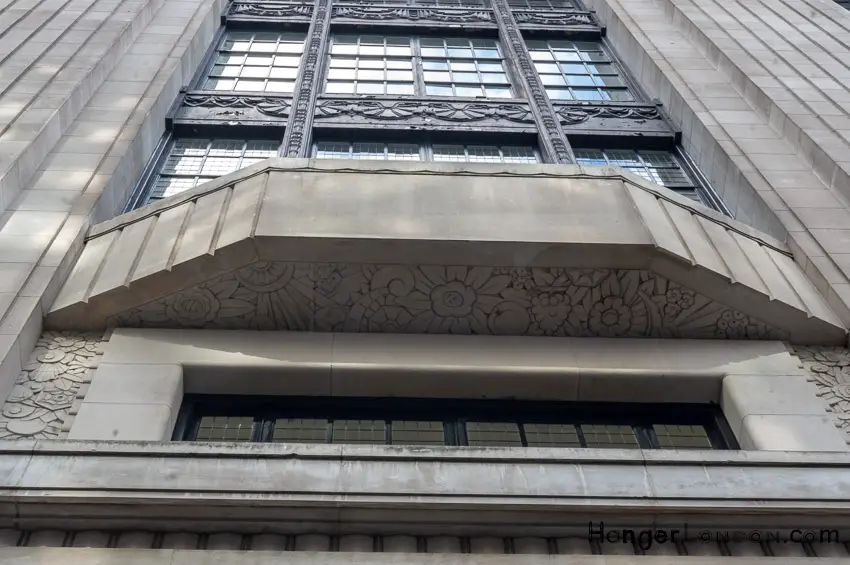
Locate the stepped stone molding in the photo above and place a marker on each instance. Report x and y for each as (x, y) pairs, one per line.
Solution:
(829, 369)
(47, 391)
(546, 250)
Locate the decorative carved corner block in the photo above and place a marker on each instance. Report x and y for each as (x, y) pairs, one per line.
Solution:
(44, 393)
(363, 13)
(829, 369)
(206, 106)
(275, 10)
(419, 112)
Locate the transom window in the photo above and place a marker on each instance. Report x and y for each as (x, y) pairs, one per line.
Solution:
(256, 62)
(577, 70)
(457, 153)
(402, 421)
(462, 67)
(660, 167)
(190, 162)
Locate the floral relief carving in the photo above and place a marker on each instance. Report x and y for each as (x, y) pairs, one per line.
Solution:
(269, 106)
(272, 10)
(552, 18)
(45, 390)
(381, 13)
(829, 369)
(448, 300)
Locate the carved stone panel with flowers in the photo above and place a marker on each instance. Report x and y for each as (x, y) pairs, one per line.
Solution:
(829, 369)
(447, 300)
(46, 393)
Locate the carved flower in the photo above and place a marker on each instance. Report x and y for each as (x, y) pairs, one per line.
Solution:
(610, 317)
(678, 299)
(587, 278)
(194, 307)
(265, 276)
(549, 311)
(55, 399)
(461, 298)
(327, 278)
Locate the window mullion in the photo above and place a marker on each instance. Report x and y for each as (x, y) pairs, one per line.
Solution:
(418, 69)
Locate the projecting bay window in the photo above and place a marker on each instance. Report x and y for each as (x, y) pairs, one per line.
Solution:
(452, 422)
(578, 70)
(407, 66)
(190, 162)
(256, 62)
(446, 153)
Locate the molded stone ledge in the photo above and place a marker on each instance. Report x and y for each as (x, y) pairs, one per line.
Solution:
(486, 226)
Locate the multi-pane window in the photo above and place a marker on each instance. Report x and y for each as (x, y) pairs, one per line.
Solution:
(368, 150)
(660, 167)
(542, 4)
(373, 64)
(405, 421)
(455, 153)
(464, 67)
(577, 70)
(190, 162)
(370, 64)
(256, 62)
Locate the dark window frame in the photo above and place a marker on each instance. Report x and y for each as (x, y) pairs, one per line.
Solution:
(454, 413)
(426, 147)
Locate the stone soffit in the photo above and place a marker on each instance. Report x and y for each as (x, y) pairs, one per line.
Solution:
(547, 250)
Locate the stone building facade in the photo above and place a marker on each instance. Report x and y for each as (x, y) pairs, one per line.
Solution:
(444, 281)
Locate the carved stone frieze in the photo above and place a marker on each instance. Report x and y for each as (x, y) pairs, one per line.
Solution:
(572, 115)
(266, 105)
(446, 300)
(44, 394)
(413, 14)
(829, 369)
(272, 9)
(551, 18)
(409, 110)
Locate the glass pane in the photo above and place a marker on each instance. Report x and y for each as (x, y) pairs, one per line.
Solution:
(681, 437)
(620, 437)
(493, 434)
(551, 435)
(329, 150)
(300, 431)
(224, 428)
(498, 92)
(370, 88)
(417, 433)
(451, 153)
(436, 90)
(402, 152)
(518, 155)
(399, 88)
(359, 431)
(468, 91)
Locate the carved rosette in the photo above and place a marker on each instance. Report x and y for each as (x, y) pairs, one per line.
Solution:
(43, 398)
(829, 369)
(448, 300)
(551, 134)
(304, 98)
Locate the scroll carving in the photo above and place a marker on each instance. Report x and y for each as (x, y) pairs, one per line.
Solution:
(275, 10)
(276, 107)
(399, 110)
(572, 115)
(532, 17)
(385, 13)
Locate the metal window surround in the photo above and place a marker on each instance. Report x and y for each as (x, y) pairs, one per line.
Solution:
(407, 421)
